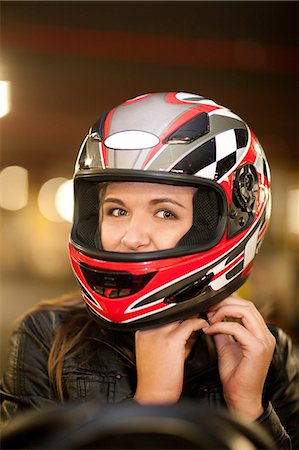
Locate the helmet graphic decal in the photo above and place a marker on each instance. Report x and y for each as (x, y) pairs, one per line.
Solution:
(153, 150)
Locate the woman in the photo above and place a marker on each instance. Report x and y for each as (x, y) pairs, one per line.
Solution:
(172, 201)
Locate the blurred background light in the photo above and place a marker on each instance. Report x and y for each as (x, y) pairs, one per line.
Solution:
(4, 98)
(64, 201)
(293, 210)
(13, 188)
(47, 199)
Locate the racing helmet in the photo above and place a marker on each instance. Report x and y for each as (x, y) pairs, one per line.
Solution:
(179, 139)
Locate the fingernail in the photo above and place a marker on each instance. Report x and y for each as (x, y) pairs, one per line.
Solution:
(205, 328)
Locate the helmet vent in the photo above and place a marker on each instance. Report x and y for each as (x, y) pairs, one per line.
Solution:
(190, 291)
(191, 130)
(113, 284)
(197, 160)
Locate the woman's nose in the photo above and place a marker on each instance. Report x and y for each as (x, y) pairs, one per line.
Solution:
(136, 236)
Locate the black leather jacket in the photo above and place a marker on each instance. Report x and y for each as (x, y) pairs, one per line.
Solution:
(105, 368)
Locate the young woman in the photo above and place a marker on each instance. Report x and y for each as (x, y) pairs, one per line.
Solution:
(172, 201)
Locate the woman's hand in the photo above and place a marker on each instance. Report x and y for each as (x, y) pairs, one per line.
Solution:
(160, 358)
(245, 352)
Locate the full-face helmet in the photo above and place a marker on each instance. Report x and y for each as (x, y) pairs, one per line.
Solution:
(180, 139)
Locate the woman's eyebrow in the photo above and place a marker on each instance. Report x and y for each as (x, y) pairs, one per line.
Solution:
(156, 201)
(114, 200)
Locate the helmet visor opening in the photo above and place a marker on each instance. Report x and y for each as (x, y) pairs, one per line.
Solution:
(134, 218)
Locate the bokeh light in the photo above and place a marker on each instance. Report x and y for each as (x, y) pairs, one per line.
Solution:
(293, 211)
(4, 98)
(13, 188)
(47, 199)
(64, 200)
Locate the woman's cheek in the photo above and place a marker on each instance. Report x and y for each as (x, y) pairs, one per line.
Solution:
(167, 236)
(107, 236)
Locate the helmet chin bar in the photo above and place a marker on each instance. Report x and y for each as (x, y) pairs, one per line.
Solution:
(197, 305)
(112, 284)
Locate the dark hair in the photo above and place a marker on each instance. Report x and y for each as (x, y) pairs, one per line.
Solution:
(69, 335)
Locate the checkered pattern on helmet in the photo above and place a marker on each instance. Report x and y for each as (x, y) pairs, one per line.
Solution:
(216, 157)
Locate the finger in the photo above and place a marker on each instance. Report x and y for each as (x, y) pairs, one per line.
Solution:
(262, 350)
(187, 327)
(247, 340)
(231, 300)
(245, 310)
(222, 340)
(249, 316)
(240, 333)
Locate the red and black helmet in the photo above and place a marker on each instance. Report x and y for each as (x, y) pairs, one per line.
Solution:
(181, 139)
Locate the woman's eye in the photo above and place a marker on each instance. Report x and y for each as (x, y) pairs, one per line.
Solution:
(164, 214)
(117, 212)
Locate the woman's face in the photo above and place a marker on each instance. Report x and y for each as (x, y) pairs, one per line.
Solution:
(144, 217)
